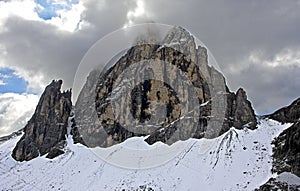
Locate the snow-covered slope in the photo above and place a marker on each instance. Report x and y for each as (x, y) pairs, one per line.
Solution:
(237, 160)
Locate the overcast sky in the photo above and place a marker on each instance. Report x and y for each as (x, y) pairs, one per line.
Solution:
(256, 43)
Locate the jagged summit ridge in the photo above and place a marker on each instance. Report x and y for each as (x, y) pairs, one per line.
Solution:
(239, 160)
(178, 48)
(45, 132)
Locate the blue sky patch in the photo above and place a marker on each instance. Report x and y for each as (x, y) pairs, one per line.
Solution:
(49, 8)
(11, 83)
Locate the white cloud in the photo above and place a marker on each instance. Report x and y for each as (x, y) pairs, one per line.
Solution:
(285, 58)
(41, 51)
(66, 19)
(20, 8)
(138, 12)
(34, 47)
(15, 111)
(2, 79)
(2, 83)
(4, 76)
(36, 80)
(69, 20)
(271, 81)
(288, 57)
(60, 2)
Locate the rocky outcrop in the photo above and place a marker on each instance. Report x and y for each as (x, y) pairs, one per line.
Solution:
(283, 182)
(167, 91)
(286, 150)
(87, 123)
(46, 130)
(288, 114)
(239, 111)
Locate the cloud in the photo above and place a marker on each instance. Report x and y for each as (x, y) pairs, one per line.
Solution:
(69, 19)
(271, 81)
(136, 13)
(2, 83)
(233, 31)
(288, 57)
(32, 46)
(48, 9)
(3, 77)
(46, 55)
(20, 8)
(15, 111)
(41, 50)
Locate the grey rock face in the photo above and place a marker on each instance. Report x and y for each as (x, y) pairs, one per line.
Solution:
(243, 113)
(108, 114)
(86, 116)
(286, 151)
(274, 184)
(46, 130)
(289, 114)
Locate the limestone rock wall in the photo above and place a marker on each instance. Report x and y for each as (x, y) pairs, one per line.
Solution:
(46, 130)
(145, 87)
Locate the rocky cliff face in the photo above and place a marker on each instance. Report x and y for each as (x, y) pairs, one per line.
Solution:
(46, 130)
(167, 91)
(239, 111)
(280, 184)
(288, 114)
(286, 160)
(86, 116)
(286, 151)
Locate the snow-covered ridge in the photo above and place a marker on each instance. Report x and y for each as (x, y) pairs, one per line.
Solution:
(237, 160)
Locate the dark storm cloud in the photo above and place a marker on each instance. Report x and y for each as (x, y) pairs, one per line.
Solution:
(43, 52)
(237, 25)
(270, 88)
(106, 16)
(231, 29)
(40, 49)
(39, 52)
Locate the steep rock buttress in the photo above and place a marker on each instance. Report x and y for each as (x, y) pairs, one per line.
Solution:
(46, 130)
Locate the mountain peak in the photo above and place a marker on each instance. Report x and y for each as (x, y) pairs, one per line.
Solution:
(173, 79)
(46, 130)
